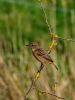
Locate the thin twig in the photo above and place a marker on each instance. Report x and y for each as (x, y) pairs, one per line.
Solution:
(33, 82)
(44, 92)
(67, 39)
(49, 26)
(26, 95)
(46, 19)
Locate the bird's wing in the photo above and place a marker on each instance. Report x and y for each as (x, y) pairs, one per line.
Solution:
(47, 57)
(41, 52)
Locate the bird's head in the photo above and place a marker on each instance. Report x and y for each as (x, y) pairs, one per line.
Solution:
(33, 45)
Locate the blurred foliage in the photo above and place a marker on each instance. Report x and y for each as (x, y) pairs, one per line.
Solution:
(22, 21)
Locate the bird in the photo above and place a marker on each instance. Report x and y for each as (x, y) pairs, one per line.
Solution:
(40, 54)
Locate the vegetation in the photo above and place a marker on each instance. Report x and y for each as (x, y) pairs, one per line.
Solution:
(22, 21)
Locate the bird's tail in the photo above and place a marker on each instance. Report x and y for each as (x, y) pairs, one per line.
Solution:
(55, 66)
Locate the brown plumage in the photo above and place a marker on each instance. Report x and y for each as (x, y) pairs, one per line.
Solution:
(42, 56)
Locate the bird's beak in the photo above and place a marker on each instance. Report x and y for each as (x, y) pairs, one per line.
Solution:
(27, 45)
